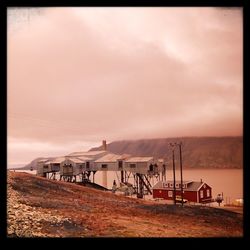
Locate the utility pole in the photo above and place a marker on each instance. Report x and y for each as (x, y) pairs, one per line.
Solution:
(180, 144)
(174, 194)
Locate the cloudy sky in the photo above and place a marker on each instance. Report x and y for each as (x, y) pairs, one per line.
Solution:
(77, 76)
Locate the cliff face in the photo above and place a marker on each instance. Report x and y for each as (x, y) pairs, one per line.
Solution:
(197, 152)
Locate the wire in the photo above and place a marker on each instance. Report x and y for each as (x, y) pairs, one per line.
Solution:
(46, 123)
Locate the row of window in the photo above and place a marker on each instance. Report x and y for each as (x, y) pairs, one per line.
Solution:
(80, 166)
(105, 165)
(177, 185)
(170, 193)
(202, 193)
(120, 165)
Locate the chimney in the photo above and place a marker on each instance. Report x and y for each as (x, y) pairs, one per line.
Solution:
(201, 180)
(104, 145)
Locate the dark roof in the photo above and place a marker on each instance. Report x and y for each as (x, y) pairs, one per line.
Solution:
(194, 186)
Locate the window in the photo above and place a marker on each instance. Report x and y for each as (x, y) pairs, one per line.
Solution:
(171, 185)
(177, 185)
(170, 193)
(132, 165)
(104, 165)
(201, 193)
(165, 185)
(208, 193)
(87, 165)
(151, 167)
(120, 164)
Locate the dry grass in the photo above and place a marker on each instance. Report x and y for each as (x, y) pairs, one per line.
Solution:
(94, 213)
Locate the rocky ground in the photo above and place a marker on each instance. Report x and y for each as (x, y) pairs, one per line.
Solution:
(39, 207)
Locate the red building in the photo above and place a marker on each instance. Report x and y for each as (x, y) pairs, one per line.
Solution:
(193, 191)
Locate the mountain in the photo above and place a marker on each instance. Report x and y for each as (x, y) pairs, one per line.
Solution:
(33, 164)
(15, 166)
(197, 152)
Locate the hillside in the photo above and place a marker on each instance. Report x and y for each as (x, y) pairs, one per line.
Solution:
(197, 152)
(39, 207)
(33, 163)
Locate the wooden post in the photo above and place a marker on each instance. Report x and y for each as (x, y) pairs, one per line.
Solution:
(104, 178)
(173, 148)
(122, 176)
(180, 144)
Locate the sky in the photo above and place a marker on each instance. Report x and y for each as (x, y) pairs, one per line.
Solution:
(77, 76)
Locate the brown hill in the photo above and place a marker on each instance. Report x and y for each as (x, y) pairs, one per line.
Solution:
(38, 207)
(197, 152)
(33, 163)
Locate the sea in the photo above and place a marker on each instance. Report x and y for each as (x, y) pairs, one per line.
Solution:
(226, 181)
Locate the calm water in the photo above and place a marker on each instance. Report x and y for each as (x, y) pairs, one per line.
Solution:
(228, 181)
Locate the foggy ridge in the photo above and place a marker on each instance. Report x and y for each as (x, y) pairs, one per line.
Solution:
(197, 152)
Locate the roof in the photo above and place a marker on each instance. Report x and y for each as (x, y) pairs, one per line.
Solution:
(58, 160)
(195, 186)
(179, 182)
(191, 185)
(43, 160)
(125, 156)
(109, 158)
(75, 160)
(139, 159)
(158, 185)
(89, 153)
(83, 158)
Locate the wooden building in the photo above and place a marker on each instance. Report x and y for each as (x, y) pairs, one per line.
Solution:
(56, 164)
(46, 166)
(111, 162)
(193, 191)
(71, 166)
(41, 170)
(87, 163)
(142, 165)
(89, 158)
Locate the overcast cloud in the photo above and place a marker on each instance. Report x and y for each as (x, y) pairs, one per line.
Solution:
(77, 76)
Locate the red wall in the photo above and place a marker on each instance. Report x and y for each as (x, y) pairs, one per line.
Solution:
(205, 197)
(163, 193)
(157, 193)
(189, 195)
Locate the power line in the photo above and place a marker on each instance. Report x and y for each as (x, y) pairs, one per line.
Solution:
(47, 123)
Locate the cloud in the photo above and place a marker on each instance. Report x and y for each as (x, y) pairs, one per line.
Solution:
(85, 74)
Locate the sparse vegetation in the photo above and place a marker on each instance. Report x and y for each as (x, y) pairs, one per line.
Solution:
(39, 207)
